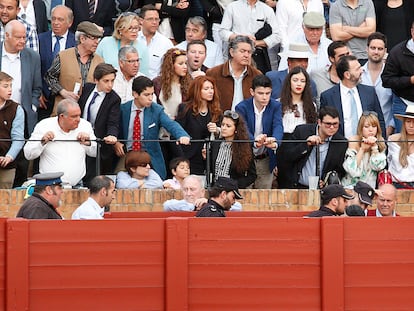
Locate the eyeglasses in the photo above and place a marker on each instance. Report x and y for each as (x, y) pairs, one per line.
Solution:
(133, 29)
(143, 164)
(131, 61)
(368, 113)
(125, 14)
(93, 38)
(331, 124)
(231, 114)
(296, 111)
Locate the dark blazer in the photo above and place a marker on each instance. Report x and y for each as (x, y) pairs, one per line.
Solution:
(31, 85)
(272, 122)
(369, 102)
(40, 16)
(297, 153)
(46, 55)
(278, 77)
(104, 14)
(244, 179)
(106, 123)
(154, 119)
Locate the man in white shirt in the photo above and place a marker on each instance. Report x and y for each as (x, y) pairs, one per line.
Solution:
(196, 29)
(62, 143)
(128, 60)
(149, 36)
(101, 193)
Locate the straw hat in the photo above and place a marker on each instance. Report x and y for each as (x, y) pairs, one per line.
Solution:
(296, 50)
(409, 113)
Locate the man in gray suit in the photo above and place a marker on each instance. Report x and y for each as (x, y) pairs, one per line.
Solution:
(23, 64)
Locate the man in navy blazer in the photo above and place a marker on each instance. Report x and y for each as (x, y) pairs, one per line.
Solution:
(100, 105)
(152, 119)
(261, 106)
(62, 18)
(349, 72)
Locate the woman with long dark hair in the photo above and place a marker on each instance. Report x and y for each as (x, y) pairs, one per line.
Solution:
(199, 117)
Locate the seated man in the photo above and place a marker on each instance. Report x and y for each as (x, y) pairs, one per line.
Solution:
(193, 195)
(364, 194)
(62, 143)
(301, 159)
(45, 199)
(386, 202)
(222, 197)
(334, 200)
(101, 193)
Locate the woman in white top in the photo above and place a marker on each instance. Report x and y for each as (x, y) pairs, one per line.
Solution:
(296, 99)
(365, 155)
(401, 151)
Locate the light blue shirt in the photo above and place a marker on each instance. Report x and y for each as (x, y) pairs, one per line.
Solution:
(17, 133)
(125, 181)
(384, 95)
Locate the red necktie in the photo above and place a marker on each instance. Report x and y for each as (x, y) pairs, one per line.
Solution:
(136, 134)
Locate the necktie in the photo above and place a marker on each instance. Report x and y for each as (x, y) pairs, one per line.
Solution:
(56, 48)
(354, 112)
(91, 8)
(89, 116)
(136, 134)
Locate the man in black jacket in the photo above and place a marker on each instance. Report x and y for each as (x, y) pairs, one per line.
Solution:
(301, 159)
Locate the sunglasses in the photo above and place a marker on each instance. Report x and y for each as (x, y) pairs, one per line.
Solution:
(368, 113)
(125, 14)
(143, 164)
(231, 114)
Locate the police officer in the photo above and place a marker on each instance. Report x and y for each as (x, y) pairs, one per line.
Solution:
(222, 197)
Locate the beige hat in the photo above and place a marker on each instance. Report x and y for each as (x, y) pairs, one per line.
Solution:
(296, 50)
(313, 20)
(90, 29)
(409, 113)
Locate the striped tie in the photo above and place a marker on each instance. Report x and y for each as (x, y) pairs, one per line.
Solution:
(91, 8)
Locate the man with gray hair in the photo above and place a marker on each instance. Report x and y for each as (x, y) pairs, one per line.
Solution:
(196, 29)
(101, 193)
(234, 77)
(128, 60)
(73, 67)
(62, 143)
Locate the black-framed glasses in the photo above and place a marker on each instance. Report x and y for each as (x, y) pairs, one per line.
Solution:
(368, 113)
(143, 164)
(231, 114)
(331, 124)
(93, 38)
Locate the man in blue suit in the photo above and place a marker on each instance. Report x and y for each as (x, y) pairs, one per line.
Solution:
(263, 117)
(62, 18)
(297, 55)
(152, 118)
(350, 98)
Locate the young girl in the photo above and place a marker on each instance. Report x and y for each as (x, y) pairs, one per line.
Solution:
(365, 155)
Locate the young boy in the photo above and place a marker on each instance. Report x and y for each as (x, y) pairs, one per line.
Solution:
(11, 132)
(180, 168)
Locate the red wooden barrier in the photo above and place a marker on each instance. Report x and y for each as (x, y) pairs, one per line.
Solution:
(118, 215)
(197, 264)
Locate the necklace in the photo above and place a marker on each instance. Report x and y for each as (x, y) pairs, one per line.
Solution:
(203, 113)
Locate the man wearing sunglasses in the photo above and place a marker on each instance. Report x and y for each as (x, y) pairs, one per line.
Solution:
(314, 150)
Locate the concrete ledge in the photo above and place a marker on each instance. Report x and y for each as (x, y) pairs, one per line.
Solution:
(152, 200)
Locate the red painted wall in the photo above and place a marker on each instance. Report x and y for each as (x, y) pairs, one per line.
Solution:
(197, 264)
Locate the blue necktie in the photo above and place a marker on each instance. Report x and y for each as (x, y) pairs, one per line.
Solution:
(91, 8)
(56, 48)
(354, 112)
(89, 116)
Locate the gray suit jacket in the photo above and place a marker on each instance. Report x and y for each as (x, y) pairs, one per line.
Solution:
(31, 85)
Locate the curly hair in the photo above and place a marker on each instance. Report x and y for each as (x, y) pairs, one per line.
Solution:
(167, 73)
(194, 98)
(286, 96)
(241, 151)
(372, 120)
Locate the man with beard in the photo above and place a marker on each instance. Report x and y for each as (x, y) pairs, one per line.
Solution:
(371, 75)
(222, 197)
(350, 98)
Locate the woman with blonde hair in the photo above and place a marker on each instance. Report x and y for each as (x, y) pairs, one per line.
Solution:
(126, 28)
(365, 155)
(401, 151)
(200, 117)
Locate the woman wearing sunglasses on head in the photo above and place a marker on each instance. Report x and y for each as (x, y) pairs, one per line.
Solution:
(230, 158)
(139, 174)
(365, 155)
(126, 28)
